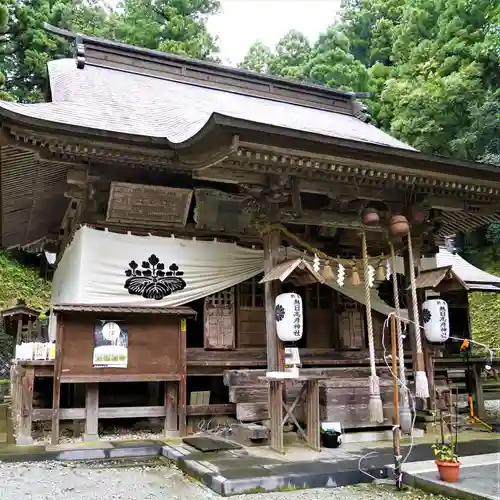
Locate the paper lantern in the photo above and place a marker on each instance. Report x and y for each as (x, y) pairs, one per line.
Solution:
(289, 317)
(436, 320)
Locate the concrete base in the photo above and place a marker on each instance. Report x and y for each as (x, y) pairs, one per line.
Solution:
(90, 438)
(236, 472)
(372, 436)
(479, 478)
(24, 441)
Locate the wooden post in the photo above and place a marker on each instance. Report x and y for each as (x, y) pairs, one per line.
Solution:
(171, 402)
(24, 432)
(395, 416)
(91, 412)
(272, 243)
(409, 303)
(19, 334)
(477, 390)
(56, 384)
(276, 415)
(312, 414)
(182, 394)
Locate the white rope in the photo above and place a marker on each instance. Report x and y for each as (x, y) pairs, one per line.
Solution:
(376, 408)
(421, 382)
(405, 413)
(413, 288)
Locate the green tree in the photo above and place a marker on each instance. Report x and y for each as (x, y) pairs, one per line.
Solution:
(4, 22)
(176, 26)
(258, 58)
(333, 65)
(291, 55)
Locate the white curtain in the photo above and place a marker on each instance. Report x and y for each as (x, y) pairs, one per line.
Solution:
(102, 267)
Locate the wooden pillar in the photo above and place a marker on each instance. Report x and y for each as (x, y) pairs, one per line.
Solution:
(91, 412)
(409, 302)
(313, 416)
(56, 383)
(19, 329)
(477, 390)
(26, 411)
(171, 402)
(272, 243)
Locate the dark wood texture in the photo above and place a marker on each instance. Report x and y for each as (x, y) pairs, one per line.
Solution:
(219, 320)
(56, 382)
(91, 412)
(251, 326)
(44, 414)
(28, 381)
(220, 211)
(351, 324)
(140, 203)
(155, 349)
(319, 315)
(171, 402)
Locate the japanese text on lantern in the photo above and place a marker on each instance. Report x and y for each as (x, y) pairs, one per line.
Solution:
(296, 317)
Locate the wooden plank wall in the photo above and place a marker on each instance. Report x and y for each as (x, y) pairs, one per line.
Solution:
(154, 350)
(343, 398)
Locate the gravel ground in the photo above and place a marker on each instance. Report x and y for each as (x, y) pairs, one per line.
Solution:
(56, 481)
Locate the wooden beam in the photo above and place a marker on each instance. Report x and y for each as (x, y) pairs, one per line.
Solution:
(296, 200)
(44, 414)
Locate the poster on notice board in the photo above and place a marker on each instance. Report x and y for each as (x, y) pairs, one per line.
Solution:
(110, 345)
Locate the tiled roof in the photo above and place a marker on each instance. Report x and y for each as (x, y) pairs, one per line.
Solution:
(464, 270)
(123, 102)
(124, 309)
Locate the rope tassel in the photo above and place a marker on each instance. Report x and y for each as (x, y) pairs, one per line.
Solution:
(421, 382)
(375, 407)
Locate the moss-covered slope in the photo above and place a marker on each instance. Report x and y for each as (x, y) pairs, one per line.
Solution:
(485, 307)
(20, 279)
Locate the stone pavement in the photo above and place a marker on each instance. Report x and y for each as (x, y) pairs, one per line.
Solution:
(479, 478)
(257, 469)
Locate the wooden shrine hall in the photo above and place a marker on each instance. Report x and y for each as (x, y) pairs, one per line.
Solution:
(183, 199)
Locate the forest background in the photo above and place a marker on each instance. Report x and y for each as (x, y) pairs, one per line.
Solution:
(429, 72)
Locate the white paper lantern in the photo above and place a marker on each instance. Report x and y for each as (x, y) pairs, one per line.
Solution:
(436, 320)
(289, 317)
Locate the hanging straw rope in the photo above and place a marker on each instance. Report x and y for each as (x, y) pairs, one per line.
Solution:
(404, 409)
(421, 382)
(376, 408)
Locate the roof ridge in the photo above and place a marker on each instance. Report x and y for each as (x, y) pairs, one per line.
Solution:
(101, 52)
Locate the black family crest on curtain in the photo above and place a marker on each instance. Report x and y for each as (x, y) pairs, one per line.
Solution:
(152, 281)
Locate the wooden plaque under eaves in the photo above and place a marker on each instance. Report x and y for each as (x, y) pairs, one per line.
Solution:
(219, 320)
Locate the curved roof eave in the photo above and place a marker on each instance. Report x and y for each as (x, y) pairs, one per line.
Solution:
(261, 133)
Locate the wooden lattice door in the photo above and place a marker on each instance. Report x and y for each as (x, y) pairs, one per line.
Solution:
(219, 320)
(351, 323)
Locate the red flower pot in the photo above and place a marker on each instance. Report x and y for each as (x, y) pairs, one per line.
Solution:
(449, 471)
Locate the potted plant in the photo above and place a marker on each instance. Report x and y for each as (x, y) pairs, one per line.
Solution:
(447, 461)
(330, 438)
